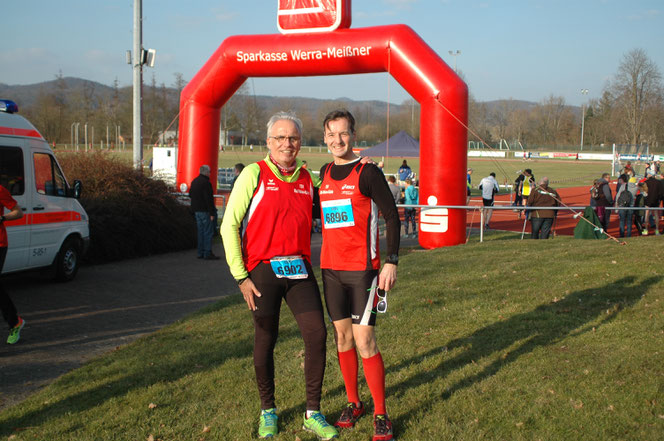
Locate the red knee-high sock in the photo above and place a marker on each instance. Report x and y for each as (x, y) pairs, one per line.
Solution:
(374, 372)
(349, 366)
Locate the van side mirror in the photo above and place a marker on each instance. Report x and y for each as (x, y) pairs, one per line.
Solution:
(76, 189)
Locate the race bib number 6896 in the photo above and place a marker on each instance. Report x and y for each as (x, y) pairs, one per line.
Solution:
(337, 213)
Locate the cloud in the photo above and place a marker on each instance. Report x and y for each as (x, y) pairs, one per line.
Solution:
(222, 15)
(24, 55)
(644, 15)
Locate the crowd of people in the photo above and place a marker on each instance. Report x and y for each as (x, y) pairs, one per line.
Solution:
(635, 198)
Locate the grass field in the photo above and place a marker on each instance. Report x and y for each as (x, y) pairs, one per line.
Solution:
(562, 173)
(561, 340)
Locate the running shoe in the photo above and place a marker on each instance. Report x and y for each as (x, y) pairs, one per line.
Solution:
(317, 425)
(644, 233)
(15, 332)
(382, 428)
(267, 425)
(350, 415)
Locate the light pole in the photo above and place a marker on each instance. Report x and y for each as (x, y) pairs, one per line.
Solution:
(583, 114)
(454, 54)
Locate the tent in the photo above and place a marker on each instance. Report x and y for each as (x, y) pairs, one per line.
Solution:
(401, 144)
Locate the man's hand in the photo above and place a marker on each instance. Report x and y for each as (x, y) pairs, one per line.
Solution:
(387, 277)
(249, 290)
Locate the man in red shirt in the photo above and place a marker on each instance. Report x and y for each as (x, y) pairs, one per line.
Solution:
(351, 194)
(15, 322)
(271, 263)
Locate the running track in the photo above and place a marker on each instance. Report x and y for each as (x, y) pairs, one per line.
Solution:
(564, 225)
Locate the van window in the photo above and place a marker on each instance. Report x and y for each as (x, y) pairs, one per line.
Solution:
(12, 176)
(49, 179)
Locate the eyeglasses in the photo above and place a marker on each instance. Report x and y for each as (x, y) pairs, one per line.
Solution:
(382, 301)
(282, 139)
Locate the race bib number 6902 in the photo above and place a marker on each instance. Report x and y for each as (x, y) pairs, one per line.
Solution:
(289, 267)
(337, 213)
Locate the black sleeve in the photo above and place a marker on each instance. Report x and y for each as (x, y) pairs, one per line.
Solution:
(210, 200)
(374, 185)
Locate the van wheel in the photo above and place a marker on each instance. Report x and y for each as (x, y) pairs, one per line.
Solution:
(67, 261)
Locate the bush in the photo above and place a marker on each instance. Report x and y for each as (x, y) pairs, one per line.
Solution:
(130, 214)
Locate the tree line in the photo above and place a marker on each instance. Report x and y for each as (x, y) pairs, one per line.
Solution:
(630, 111)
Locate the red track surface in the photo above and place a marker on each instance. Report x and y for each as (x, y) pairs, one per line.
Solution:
(507, 220)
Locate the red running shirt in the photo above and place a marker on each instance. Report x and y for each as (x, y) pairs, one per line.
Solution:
(279, 218)
(6, 201)
(350, 224)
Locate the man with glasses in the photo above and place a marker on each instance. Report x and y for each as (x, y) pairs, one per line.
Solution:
(351, 194)
(272, 262)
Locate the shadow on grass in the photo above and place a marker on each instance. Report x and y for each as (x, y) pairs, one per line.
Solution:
(544, 326)
(145, 368)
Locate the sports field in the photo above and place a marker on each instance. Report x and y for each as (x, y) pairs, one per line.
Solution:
(561, 173)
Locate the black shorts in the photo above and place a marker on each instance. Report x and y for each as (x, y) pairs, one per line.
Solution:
(351, 294)
(487, 202)
(301, 295)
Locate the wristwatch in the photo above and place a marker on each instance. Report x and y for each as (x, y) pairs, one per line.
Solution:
(393, 259)
(241, 281)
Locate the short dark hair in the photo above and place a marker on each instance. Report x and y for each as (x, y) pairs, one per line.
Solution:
(492, 174)
(239, 167)
(529, 171)
(339, 114)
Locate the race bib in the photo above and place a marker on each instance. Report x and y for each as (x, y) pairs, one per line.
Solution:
(337, 213)
(289, 267)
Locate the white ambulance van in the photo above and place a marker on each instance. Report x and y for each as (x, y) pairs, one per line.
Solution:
(54, 230)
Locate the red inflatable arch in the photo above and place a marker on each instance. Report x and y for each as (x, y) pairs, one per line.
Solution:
(396, 49)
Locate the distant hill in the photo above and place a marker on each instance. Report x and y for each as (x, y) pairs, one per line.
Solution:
(26, 95)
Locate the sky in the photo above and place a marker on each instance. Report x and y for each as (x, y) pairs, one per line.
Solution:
(519, 49)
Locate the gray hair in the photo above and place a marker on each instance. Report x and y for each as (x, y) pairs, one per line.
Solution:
(287, 116)
(204, 170)
(544, 181)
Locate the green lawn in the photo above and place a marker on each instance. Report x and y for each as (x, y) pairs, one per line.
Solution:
(504, 340)
(562, 173)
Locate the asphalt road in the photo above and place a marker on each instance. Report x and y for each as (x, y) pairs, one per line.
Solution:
(106, 306)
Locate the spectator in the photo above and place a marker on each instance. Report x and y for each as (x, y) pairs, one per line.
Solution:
(236, 171)
(489, 187)
(542, 220)
(639, 204)
(404, 172)
(202, 204)
(627, 170)
(604, 199)
(412, 198)
(625, 199)
(469, 184)
(394, 188)
(381, 166)
(651, 200)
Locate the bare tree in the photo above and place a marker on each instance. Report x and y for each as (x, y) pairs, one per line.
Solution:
(637, 87)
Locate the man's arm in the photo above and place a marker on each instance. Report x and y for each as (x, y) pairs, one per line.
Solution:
(607, 193)
(374, 185)
(236, 209)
